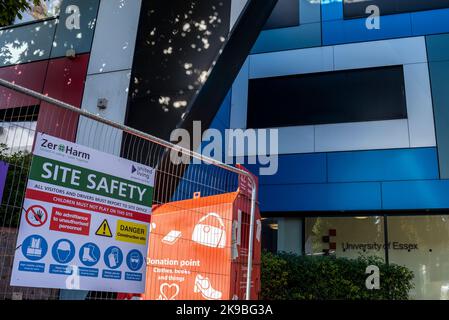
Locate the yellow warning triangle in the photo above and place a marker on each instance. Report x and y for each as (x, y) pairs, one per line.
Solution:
(104, 230)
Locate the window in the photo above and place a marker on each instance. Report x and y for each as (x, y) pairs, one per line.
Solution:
(46, 9)
(285, 14)
(418, 242)
(356, 9)
(348, 237)
(282, 234)
(421, 243)
(322, 98)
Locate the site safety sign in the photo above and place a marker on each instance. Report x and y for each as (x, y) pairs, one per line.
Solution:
(85, 220)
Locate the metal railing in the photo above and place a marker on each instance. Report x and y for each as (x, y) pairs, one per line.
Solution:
(24, 112)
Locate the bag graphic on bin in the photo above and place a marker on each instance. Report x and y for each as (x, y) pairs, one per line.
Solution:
(210, 236)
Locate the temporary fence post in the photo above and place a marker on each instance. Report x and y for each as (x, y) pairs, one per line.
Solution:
(251, 239)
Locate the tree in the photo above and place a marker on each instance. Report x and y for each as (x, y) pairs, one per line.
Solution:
(10, 9)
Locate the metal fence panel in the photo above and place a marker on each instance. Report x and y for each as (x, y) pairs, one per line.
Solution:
(23, 113)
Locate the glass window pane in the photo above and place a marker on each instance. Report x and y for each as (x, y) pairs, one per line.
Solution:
(269, 234)
(283, 234)
(421, 243)
(299, 100)
(348, 237)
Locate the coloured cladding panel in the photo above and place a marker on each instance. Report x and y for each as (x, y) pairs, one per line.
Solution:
(112, 86)
(224, 112)
(321, 197)
(336, 30)
(65, 81)
(358, 9)
(120, 19)
(438, 50)
(305, 103)
(28, 43)
(354, 166)
(419, 105)
(285, 14)
(430, 22)
(154, 90)
(76, 27)
(440, 88)
(291, 62)
(306, 34)
(300, 184)
(380, 53)
(29, 75)
(371, 135)
(383, 165)
(438, 47)
(412, 195)
(295, 169)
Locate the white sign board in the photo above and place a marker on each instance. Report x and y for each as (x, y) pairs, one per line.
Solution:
(85, 220)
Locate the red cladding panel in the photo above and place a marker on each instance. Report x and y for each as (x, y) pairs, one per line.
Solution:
(65, 81)
(30, 75)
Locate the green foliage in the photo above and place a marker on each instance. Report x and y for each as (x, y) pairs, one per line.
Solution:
(14, 191)
(10, 9)
(292, 277)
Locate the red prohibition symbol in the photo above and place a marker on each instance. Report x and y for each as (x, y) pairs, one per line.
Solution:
(36, 216)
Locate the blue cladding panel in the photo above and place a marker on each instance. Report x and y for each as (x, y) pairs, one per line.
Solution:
(354, 30)
(332, 10)
(304, 36)
(336, 30)
(415, 194)
(205, 179)
(383, 165)
(438, 47)
(297, 168)
(321, 197)
(307, 34)
(224, 113)
(429, 22)
(439, 72)
(310, 11)
(220, 123)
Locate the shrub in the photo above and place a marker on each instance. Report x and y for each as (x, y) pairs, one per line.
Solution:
(291, 277)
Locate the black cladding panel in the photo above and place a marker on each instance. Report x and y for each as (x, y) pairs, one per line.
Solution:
(285, 14)
(177, 42)
(323, 98)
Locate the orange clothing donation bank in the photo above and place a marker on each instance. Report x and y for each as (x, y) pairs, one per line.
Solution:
(198, 248)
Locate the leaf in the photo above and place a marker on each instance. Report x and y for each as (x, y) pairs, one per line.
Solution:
(289, 276)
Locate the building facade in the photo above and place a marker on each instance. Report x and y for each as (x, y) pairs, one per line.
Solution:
(362, 111)
(362, 123)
